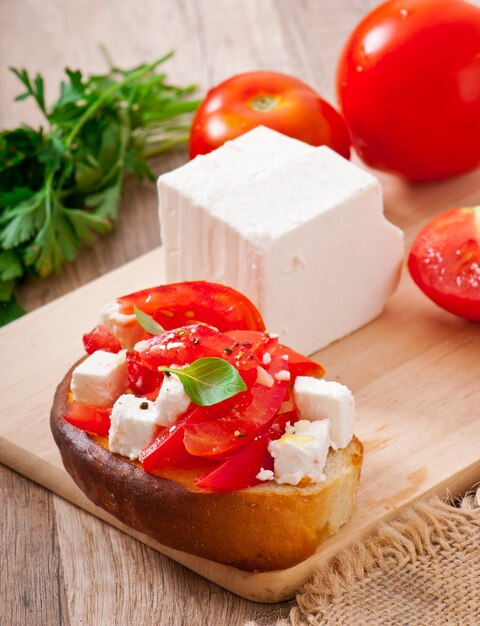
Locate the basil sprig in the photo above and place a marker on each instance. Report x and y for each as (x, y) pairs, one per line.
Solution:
(209, 380)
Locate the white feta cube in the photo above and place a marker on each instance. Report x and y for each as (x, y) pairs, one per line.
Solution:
(133, 424)
(318, 399)
(302, 453)
(172, 401)
(100, 378)
(300, 230)
(124, 327)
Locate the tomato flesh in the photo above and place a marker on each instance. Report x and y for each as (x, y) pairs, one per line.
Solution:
(445, 261)
(142, 380)
(179, 304)
(100, 338)
(184, 345)
(408, 82)
(93, 419)
(270, 99)
(300, 365)
(240, 470)
(220, 437)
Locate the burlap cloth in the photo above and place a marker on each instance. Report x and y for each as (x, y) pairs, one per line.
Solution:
(423, 568)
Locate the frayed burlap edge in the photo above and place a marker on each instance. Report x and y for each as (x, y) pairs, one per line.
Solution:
(423, 567)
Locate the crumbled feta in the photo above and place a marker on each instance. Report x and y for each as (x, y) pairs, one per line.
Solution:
(263, 377)
(282, 375)
(100, 378)
(264, 474)
(301, 454)
(142, 346)
(171, 345)
(124, 327)
(318, 399)
(267, 358)
(172, 400)
(133, 424)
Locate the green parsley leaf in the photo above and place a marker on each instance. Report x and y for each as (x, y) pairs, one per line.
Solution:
(209, 380)
(61, 186)
(147, 322)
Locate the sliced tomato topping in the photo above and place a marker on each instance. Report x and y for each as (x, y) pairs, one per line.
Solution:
(100, 338)
(300, 365)
(240, 470)
(220, 437)
(168, 448)
(178, 304)
(189, 343)
(142, 380)
(94, 419)
(256, 341)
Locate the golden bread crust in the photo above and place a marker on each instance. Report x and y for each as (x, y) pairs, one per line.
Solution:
(267, 527)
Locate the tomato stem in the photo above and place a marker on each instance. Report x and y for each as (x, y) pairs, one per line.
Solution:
(264, 103)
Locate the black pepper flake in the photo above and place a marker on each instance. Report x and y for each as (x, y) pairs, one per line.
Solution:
(228, 350)
(195, 340)
(144, 405)
(236, 344)
(239, 435)
(251, 356)
(247, 344)
(167, 374)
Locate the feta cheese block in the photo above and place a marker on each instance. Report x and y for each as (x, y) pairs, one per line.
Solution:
(124, 327)
(300, 453)
(172, 400)
(133, 424)
(297, 229)
(100, 378)
(318, 399)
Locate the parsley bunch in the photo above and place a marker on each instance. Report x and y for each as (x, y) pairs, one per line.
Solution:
(61, 185)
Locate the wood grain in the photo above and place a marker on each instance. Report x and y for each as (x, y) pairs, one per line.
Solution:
(47, 541)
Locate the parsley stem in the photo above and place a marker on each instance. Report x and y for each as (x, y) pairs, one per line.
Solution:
(109, 92)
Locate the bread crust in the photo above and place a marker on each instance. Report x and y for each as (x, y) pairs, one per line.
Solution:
(263, 528)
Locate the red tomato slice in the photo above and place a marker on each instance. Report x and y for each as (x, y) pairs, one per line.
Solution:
(178, 304)
(301, 365)
(168, 448)
(94, 419)
(142, 380)
(100, 338)
(241, 469)
(217, 438)
(256, 341)
(189, 343)
(445, 261)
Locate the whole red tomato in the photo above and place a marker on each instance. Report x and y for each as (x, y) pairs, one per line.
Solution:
(445, 261)
(409, 86)
(278, 101)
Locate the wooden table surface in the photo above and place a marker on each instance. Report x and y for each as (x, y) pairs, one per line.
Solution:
(61, 565)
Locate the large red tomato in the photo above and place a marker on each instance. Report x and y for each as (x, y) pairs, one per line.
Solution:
(270, 99)
(409, 86)
(445, 261)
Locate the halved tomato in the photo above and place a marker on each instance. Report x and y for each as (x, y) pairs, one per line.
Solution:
(445, 261)
(198, 301)
(94, 419)
(301, 365)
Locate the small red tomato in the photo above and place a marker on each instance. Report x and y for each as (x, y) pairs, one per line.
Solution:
(93, 419)
(445, 261)
(100, 338)
(278, 101)
(408, 82)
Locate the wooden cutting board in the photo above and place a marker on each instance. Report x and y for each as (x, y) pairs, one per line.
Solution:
(414, 371)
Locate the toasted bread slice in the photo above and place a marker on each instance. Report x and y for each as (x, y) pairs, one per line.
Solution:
(266, 527)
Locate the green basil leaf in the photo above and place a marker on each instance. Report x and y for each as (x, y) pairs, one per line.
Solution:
(209, 380)
(147, 322)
